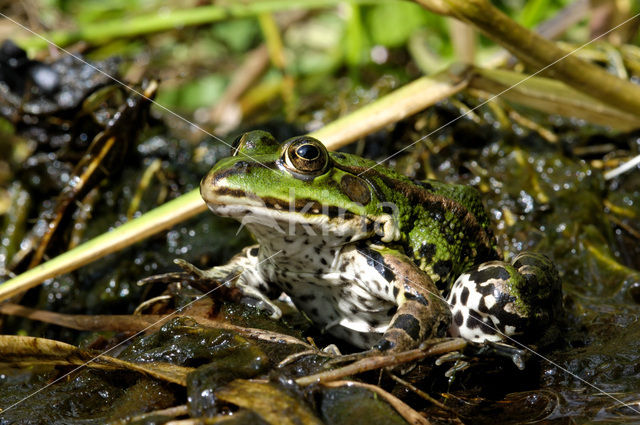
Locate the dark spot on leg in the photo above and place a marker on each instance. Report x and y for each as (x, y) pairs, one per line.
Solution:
(488, 329)
(458, 319)
(323, 261)
(482, 306)
(409, 324)
(416, 297)
(464, 296)
(384, 345)
(375, 260)
(474, 320)
(454, 299)
(494, 272)
(396, 291)
(392, 311)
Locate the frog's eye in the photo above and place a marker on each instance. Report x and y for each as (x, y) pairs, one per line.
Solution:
(306, 156)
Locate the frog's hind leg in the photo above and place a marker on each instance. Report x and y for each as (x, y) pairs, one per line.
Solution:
(497, 300)
(421, 314)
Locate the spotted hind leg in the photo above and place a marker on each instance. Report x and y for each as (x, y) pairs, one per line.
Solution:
(421, 312)
(497, 300)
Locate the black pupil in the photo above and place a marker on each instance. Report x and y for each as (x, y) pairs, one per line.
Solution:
(308, 152)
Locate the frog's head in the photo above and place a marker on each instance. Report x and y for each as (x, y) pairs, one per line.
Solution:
(297, 186)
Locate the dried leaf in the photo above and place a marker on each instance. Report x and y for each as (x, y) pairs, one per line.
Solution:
(270, 403)
(136, 323)
(27, 351)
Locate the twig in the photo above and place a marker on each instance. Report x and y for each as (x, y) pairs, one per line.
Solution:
(381, 361)
(627, 166)
(409, 414)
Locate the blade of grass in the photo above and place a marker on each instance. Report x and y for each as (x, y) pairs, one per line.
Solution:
(551, 97)
(160, 218)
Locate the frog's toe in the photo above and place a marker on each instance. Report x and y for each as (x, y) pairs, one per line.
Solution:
(188, 267)
(499, 349)
(221, 274)
(459, 360)
(457, 367)
(487, 349)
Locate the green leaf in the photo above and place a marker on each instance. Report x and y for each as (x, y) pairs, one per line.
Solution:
(392, 24)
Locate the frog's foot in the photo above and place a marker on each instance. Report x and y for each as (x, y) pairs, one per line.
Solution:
(499, 349)
(461, 360)
(240, 273)
(497, 300)
(220, 275)
(421, 313)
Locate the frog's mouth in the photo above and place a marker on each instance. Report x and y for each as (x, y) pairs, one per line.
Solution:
(283, 216)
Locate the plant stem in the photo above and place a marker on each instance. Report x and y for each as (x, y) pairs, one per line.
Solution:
(161, 218)
(541, 53)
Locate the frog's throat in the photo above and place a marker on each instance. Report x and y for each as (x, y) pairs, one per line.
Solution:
(254, 212)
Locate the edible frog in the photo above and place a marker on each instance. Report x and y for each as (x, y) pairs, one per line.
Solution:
(369, 255)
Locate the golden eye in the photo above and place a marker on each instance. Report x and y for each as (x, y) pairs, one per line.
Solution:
(305, 155)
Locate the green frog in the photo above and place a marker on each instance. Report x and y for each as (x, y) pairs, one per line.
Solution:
(371, 256)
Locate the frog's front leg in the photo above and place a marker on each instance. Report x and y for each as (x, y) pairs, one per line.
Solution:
(497, 300)
(241, 272)
(422, 313)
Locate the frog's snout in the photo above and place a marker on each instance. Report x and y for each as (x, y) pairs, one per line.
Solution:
(213, 185)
